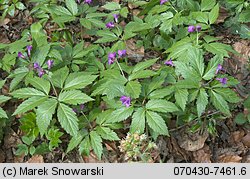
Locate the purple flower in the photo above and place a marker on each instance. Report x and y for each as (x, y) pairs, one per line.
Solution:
(29, 48)
(82, 107)
(116, 16)
(36, 66)
(122, 53)
(191, 28)
(111, 58)
(50, 63)
(223, 81)
(41, 72)
(198, 28)
(163, 1)
(74, 110)
(88, 1)
(78, 1)
(110, 25)
(169, 62)
(219, 68)
(126, 100)
(20, 55)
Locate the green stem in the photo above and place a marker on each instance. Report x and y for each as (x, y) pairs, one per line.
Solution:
(197, 38)
(120, 69)
(87, 120)
(53, 87)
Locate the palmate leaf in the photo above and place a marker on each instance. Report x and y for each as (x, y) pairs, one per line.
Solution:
(141, 74)
(106, 133)
(212, 66)
(40, 84)
(207, 4)
(59, 77)
(30, 104)
(138, 121)
(85, 146)
(213, 15)
(228, 94)
(156, 123)
(3, 113)
(181, 96)
(26, 93)
(120, 114)
(74, 97)
(72, 6)
(4, 98)
(186, 71)
(78, 81)
(133, 88)
(143, 65)
(195, 58)
(96, 143)
(161, 105)
(161, 93)
(219, 103)
(67, 119)
(44, 114)
(75, 141)
(202, 102)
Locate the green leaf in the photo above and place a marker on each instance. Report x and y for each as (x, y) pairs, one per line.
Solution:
(3, 113)
(85, 146)
(228, 94)
(219, 103)
(181, 97)
(30, 104)
(85, 23)
(106, 133)
(40, 54)
(202, 102)
(161, 93)
(121, 114)
(212, 66)
(161, 105)
(20, 6)
(217, 48)
(62, 11)
(186, 71)
(143, 65)
(4, 98)
(96, 143)
(107, 36)
(207, 4)
(133, 88)
(240, 119)
(213, 15)
(57, 77)
(44, 114)
(112, 6)
(124, 12)
(156, 123)
(138, 121)
(74, 97)
(196, 60)
(40, 83)
(26, 93)
(67, 119)
(188, 84)
(2, 82)
(78, 81)
(75, 141)
(72, 6)
(141, 74)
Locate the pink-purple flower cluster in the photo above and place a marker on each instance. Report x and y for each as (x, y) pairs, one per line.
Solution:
(223, 81)
(192, 28)
(111, 25)
(29, 49)
(126, 100)
(169, 62)
(40, 71)
(163, 1)
(112, 56)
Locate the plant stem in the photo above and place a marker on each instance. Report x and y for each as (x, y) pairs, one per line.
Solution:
(53, 87)
(87, 120)
(120, 69)
(197, 38)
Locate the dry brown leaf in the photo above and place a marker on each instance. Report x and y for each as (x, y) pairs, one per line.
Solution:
(36, 159)
(237, 135)
(224, 158)
(2, 156)
(92, 158)
(246, 140)
(192, 141)
(203, 155)
(134, 52)
(223, 14)
(11, 140)
(243, 48)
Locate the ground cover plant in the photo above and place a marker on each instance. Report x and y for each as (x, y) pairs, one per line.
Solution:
(132, 79)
